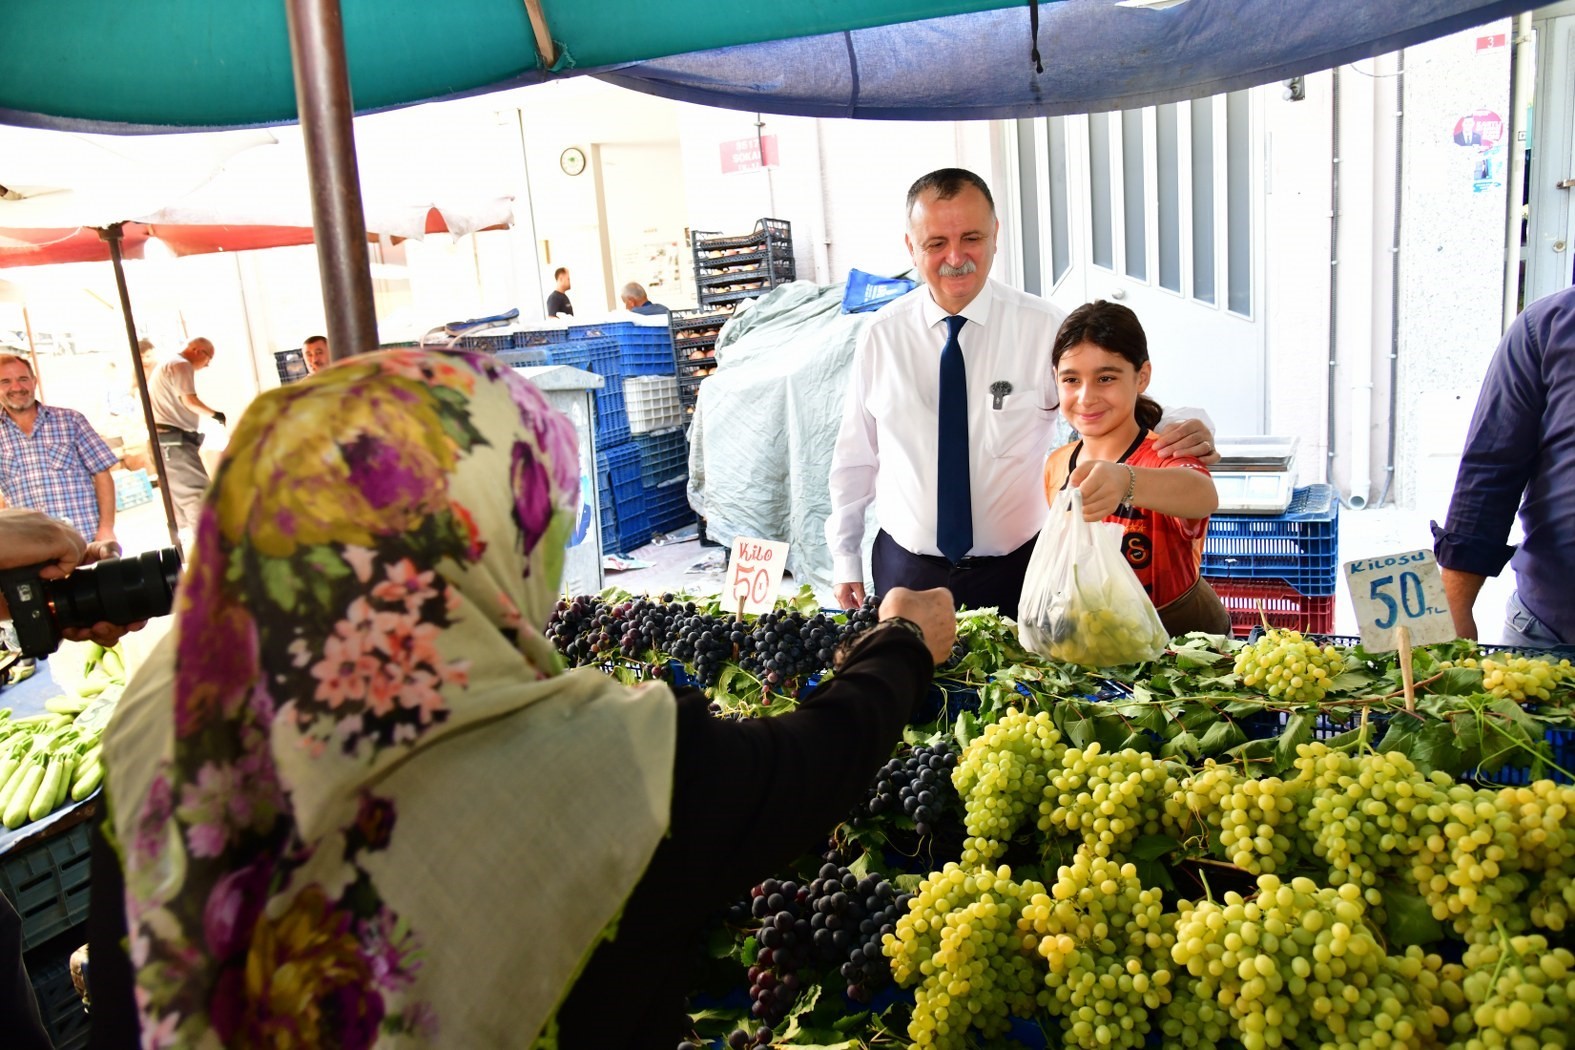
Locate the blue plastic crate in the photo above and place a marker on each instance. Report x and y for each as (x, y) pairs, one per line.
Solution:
(540, 337)
(664, 457)
(601, 330)
(59, 1005)
(619, 470)
(572, 355)
(645, 350)
(668, 507)
(46, 881)
(1300, 547)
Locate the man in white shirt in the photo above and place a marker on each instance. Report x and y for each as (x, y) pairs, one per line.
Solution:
(177, 412)
(889, 448)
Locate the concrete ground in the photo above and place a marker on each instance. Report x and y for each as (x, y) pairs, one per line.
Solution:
(683, 564)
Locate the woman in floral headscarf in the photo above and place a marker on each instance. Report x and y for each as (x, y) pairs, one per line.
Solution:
(355, 802)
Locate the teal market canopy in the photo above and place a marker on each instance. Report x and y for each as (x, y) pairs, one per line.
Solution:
(164, 65)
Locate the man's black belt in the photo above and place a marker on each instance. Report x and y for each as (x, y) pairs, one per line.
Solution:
(972, 561)
(163, 429)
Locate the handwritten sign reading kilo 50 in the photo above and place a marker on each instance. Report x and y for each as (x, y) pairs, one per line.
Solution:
(1399, 590)
(754, 573)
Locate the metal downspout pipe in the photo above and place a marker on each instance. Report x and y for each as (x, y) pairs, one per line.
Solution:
(1394, 280)
(1334, 272)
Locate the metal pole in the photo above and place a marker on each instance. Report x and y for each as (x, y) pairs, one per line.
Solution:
(111, 236)
(322, 92)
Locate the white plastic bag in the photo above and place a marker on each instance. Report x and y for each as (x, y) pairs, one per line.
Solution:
(1081, 602)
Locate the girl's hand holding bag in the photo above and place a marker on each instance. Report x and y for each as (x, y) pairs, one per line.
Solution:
(1081, 602)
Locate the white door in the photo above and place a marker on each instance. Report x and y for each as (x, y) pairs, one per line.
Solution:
(1551, 193)
(1160, 209)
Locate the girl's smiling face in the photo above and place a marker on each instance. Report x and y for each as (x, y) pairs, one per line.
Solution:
(1099, 390)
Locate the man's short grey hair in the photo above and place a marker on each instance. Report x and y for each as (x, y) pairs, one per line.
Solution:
(6, 357)
(633, 290)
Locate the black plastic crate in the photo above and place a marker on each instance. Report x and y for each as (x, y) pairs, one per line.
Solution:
(776, 231)
(664, 457)
(46, 881)
(49, 968)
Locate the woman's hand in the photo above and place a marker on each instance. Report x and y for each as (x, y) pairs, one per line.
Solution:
(934, 611)
(1186, 437)
(1103, 485)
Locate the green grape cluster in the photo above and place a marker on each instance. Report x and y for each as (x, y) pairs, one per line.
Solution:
(1518, 992)
(1105, 801)
(1465, 861)
(962, 943)
(1288, 667)
(1297, 966)
(1252, 820)
(1510, 676)
(1107, 946)
(1001, 777)
(1096, 635)
(1192, 1020)
(1359, 810)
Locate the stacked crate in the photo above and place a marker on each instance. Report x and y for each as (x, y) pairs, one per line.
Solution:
(664, 471)
(694, 335)
(1286, 564)
(728, 270)
(46, 880)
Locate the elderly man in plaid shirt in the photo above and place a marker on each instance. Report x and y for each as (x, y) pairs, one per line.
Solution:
(51, 459)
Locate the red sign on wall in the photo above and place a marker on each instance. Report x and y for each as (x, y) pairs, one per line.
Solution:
(1492, 42)
(746, 154)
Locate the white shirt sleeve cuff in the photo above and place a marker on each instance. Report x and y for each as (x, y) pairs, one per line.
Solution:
(847, 568)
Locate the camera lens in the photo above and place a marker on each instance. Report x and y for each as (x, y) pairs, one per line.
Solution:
(118, 590)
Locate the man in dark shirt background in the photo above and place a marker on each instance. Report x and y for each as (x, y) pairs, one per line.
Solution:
(1519, 455)
(558, 304)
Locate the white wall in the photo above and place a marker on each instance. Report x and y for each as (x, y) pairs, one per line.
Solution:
(1452, 260)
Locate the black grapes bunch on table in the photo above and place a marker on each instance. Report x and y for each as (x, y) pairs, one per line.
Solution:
(917, 782)
(781, 647)
(835, 922)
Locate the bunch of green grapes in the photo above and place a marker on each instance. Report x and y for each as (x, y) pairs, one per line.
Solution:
(1105, 801)
(1192, 1020)
(1518, 992)
(1361, 813)
(1510, 676)
(1105, 941)
(1465, 861)
(1253, 820)
(1001, 777)
(1288, 667)
(1291, 965)
(1545, 840)
(962, 943)
(1095, 635)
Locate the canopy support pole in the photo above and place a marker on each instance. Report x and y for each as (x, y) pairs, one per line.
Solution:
(546, 50)
(111, 236)
(322, 92)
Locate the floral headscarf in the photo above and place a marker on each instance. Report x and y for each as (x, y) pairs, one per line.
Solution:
(356, 803)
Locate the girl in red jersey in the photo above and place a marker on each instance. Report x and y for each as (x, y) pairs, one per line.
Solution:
(1101, 364)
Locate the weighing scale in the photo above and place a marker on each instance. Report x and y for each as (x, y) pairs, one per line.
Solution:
(1255, 475)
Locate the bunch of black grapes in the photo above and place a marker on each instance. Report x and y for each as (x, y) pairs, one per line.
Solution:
(782, 647)
(834, 923)
(918, 782)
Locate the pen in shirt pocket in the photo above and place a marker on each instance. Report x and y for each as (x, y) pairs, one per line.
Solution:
(999, 389)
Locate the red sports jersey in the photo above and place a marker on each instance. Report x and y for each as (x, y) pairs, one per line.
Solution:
(1164, 551)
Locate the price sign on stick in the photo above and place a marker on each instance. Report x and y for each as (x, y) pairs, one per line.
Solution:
(754, 574)
(1399, 590)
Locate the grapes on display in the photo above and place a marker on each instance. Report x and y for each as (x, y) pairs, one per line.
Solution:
(1289, 667)
(917, 783)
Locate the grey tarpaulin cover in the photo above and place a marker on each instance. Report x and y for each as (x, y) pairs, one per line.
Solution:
(766, 421)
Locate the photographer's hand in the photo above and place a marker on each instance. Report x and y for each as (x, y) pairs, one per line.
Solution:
(28, 537)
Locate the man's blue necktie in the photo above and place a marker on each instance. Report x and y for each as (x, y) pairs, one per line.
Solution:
(953, 494)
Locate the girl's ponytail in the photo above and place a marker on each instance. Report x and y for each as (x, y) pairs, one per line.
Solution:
(1147, 412)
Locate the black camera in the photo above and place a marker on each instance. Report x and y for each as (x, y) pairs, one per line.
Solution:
(116, 590)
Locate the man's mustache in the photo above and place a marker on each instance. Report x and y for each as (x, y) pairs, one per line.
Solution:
(947, 270)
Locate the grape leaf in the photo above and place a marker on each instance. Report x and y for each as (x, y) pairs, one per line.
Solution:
(966, 729)
(1408, 919)
(1221, 736)
(1458, 681)
(1152, 847)
(1298, 730)
(1182, 745)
